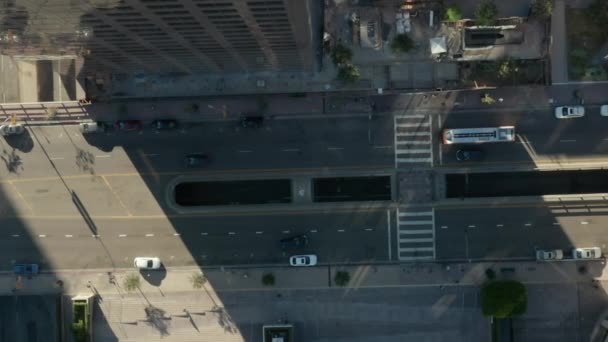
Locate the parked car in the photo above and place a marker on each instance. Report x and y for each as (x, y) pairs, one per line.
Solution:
(556, 254)
(25, 269)
(568, 112)
(303, 260)
(252, 121)
(128, 125)
(147, 263)
(297, 241)
(196, 160)
(587, 253)
(12, 129)
(469, 155)
(92, 127)
(604, 110)
(164, 124)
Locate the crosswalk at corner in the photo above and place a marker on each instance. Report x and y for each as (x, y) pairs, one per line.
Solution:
(413, 141)
(416, 233)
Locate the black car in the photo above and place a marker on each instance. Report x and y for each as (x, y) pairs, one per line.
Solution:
(164, 124)
(252, 121)
(297, 241)
(469, 155)
(196, 160)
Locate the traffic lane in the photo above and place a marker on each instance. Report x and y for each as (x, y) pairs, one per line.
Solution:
(206, 240)
(63, 148)
(515, 232)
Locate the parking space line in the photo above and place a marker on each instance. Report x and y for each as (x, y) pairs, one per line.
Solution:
(388, 229)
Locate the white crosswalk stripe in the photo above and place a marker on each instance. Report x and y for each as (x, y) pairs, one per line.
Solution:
(413, 141)
(416, 234)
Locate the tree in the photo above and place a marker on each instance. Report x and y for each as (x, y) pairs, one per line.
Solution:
(198, 280)
(502, 299)
(542, 9)
(342, 278)
(131, 282)
(268, 279)
(485, 13)
(487, 99)
(341, 55)
(402, 43)
(349, 74)
(507, 68)
(452, 13)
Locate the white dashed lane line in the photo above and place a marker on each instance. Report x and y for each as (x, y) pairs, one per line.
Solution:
(335, 148)
(57, 158)
(103, 156)
(245, 151)
(291, 150)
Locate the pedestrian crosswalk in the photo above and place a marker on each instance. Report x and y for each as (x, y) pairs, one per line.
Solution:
(413, 141)
(416, 233)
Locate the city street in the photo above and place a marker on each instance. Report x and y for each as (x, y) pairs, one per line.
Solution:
(516, 231)
(542, 140)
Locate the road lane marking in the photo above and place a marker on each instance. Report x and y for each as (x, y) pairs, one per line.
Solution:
(15, 235)
(383, 146)
(368, 229)
(528, 224)
(68, 235)
(29, 207)
(204, 234)
(340, 230)
(313, 230)
(471, 226)
(57, 158)
(231, 233)
(95, 236)
(286, 232)
(176, 234)
(258, 232)
(444, 227)
(388, 229)
(103, 156)
(122, 235)
(584, 222)
(150, 154)
(556, 223)
(41, 235)
(335, 148)
(149, 235)
(291, 150)
(567, 140)
(116, 196)
(245, 151)
(499, 225)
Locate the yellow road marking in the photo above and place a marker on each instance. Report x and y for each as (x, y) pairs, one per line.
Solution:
(116, 196)
(21, 197)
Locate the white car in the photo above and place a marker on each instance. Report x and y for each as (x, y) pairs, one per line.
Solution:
(587, 253)
(91, 127)
(556, 254)
(303, 260)
(604, 110)
(147, 263)
(567, 112)
(12, 129)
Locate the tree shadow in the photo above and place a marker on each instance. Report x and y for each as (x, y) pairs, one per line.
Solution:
(12, 161)
(157, 318)
(22, 142)
(85, 161)
(225, 320)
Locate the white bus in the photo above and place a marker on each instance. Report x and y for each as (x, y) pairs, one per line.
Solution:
(478, 135)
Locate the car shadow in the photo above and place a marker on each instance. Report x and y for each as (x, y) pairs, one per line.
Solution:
(22, 142)
(154, 277)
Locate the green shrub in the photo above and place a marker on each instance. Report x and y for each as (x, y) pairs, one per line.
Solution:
(342, 278)
(485, 13)
(349, 74)
(502, 299)
(268, 279)
(341, 55)
(542, 9)
(198, 280)
(132, 282)
(402, 43)
(452, 13)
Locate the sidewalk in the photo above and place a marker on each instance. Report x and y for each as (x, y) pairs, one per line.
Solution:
(307, 105)
(249, 278)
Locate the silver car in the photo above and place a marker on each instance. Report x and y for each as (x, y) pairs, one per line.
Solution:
(587, 253)
(12, 129)
(569, 112)
(147, 263)
(556, 254)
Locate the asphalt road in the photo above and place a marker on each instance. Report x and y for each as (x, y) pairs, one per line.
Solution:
(511, 232)
(541, 139)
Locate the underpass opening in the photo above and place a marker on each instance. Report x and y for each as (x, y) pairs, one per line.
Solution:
(534, 183)
(350, 189)
(265, 191)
